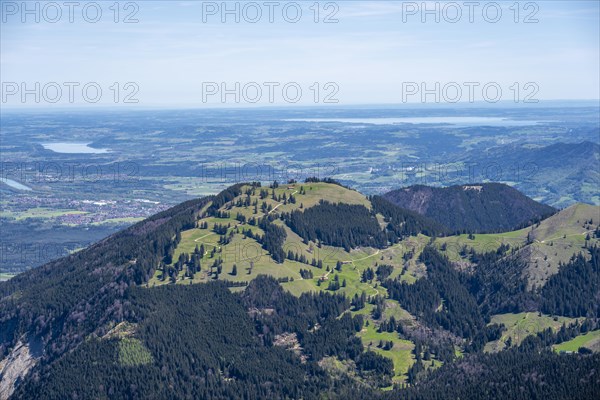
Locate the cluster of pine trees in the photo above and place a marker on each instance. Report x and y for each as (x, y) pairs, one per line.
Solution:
(191, 263)
(442, 299)
(340, 225)
(402, 223)
(273, 239)
(315, 318)
(510, 374)
(306, 273)
(574, 291)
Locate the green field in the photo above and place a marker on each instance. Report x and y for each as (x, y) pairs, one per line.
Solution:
(590, 340)
(401, 354)
(246, 253)
(519, 326)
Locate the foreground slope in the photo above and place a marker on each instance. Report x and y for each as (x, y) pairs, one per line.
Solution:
(181, 342)
(50, 310)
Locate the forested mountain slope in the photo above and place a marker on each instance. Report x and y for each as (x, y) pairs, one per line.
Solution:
(477, 208)
(305, 290)
(542, 247)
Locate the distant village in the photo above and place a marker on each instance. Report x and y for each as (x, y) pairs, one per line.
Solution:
(82, 212)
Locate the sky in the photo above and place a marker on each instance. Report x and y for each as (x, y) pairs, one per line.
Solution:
(195, 54)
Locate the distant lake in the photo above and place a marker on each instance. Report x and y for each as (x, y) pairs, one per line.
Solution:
(465, 121)
(73, 148)
(15, 184)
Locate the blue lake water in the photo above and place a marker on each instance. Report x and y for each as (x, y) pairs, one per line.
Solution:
(73, 148)
(463, 121)
(15, 184)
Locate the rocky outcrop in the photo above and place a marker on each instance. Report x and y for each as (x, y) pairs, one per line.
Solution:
(15, 366)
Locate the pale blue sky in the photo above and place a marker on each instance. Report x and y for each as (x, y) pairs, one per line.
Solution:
(369, 53)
